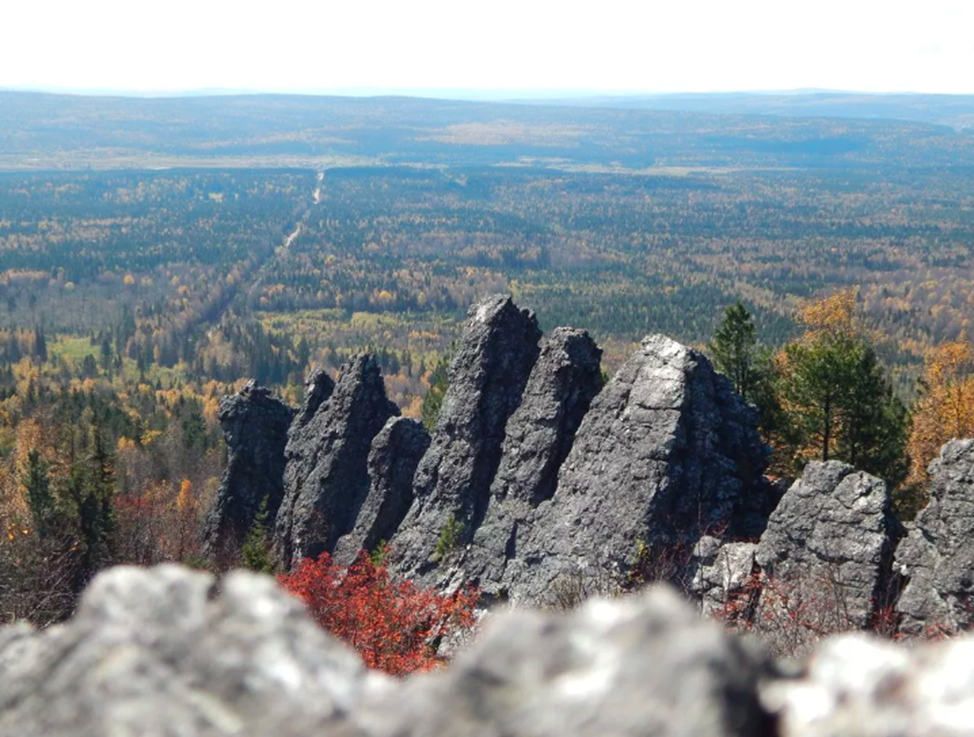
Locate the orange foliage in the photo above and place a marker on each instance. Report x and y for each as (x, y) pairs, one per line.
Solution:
(946, 409)
(394, 625)
(836, 313)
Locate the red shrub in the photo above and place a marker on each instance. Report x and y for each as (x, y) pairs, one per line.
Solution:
(394, 625)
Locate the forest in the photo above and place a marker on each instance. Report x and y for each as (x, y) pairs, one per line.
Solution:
(142, 277)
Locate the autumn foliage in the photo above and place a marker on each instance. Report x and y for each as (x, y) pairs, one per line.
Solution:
(945, 409)
(394, 625)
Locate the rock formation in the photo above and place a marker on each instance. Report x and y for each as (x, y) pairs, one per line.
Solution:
(318, 388)
(326, 478)
(721, 574)
(859, 685)
(642, 666)
(255, 426)
(152, 652)
(666, 453)
(830, 542)
(392, 462)
(494, 358)
(158, 652)
(937, 557)
(540, 434)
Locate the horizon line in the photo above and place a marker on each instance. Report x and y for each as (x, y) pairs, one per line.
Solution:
(454, 93)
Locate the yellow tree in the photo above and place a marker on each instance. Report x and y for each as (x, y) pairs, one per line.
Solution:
(946, 409)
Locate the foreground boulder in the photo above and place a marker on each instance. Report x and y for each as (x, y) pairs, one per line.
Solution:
(326, 477)
(645, 665)
(153, 652)
(494, 357)
(666, 454)
(255, 425)
(860, 686)
(395, 453)
(539, 436)
(827, 551)
(166, 652)
(937, 557)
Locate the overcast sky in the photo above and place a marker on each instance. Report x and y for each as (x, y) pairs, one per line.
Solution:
(508, 45)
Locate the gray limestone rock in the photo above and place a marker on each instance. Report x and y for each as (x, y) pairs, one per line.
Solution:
(155, 652)
(666, 453)
(255, 426)
(326, 477)
(494, 357)
(722, 574)
(855, 685)
(318, 387)
(395, 453)
(937, 557)
(645, 665)
(829, 543)
(539, 436)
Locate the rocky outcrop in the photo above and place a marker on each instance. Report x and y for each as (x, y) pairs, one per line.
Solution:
(865, 687)
(666, 454)
(395, 453)
(723, 578)
(153, 652)
(255, 426)
(642, 666)
(318, 387)
(326, 478)
(539, 436)
(829, 544)
(494, 357)
(937, 557)
(166, 652)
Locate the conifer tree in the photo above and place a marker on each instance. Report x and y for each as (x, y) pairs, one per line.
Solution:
(734, 349)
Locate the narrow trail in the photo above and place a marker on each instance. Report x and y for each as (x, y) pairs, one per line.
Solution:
(292, 236)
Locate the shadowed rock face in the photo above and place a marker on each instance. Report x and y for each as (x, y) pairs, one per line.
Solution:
(255, 426)
(326, 478)
(494, 358)
(937, 557)
(395, 453)
(565, 379)
(829, 542)
(666, 453)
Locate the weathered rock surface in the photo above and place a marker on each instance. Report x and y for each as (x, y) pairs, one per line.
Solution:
(937, 557)
(721, 573)
(152, 652)
(326, 477)
(830, 543)
(392, 463)
(666, 454)
(539, 436)
(158, 652)
(255, 426)
(646, 665)
(860, 686)
(318, 387)
(494, 357)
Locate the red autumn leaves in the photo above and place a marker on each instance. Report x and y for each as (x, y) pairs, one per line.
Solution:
(395, 626)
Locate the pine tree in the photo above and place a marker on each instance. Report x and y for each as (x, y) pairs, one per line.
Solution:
(734, 349)
(433, 402)
(41, 501)
(256, 551)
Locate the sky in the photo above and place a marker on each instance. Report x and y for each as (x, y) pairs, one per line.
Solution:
(500, 47)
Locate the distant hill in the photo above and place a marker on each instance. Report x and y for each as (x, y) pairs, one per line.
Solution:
(956, 111)
(41, 131)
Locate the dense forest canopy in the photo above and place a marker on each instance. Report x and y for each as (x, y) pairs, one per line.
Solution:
(155, 254)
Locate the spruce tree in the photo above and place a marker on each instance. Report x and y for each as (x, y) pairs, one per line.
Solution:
(734, 349)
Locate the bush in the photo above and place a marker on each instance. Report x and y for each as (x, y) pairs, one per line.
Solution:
(396, 626)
